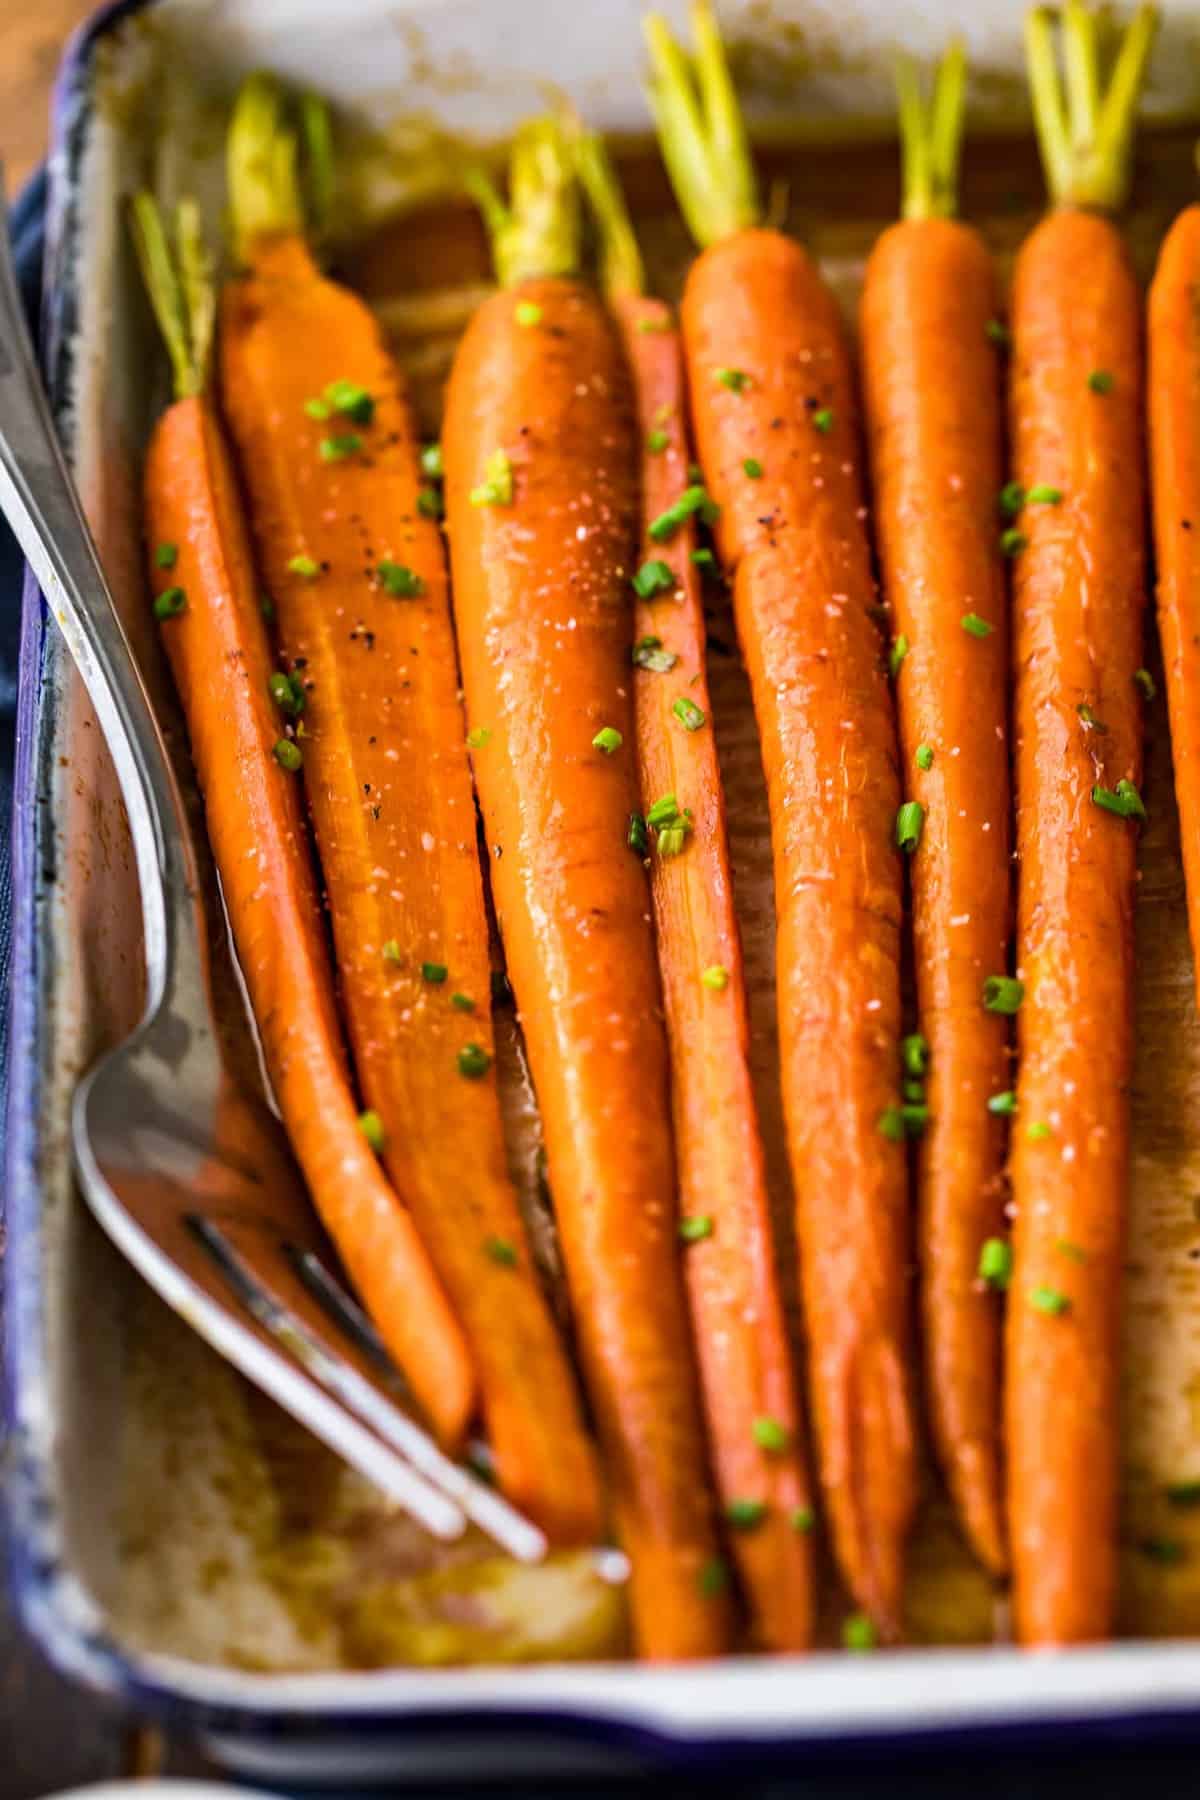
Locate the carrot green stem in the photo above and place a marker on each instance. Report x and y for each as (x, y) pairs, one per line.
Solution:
(180, 287)
(700, 128)
(316, 136)
(931, 134)
(263, 166)
(1085, 127)
(537, 231)
(621, 269)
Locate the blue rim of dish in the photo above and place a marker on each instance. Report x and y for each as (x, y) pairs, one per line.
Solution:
(64, 1624)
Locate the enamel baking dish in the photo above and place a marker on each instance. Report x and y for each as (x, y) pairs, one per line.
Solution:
(110, 1397)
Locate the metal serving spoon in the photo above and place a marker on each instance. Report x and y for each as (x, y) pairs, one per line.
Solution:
(187, 1170)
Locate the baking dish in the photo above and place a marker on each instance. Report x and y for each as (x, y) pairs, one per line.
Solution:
(95, 1420)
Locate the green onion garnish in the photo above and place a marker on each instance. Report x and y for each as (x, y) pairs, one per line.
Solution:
(924, 756)
(500, 1251)
(608, 739)
(802, 1519)
(429, 503)
(287, 755)
(715, 977)
(654, 577)
(1100, 381)
(496, 488)
(351, 400)
(1037, 1131)
(897, 654)
(170, 603)
(1144, 682)
(690, 716)
(1012, 542)
(1003, 993)
(337, 449)
(704, 559)
(1002, 1104)
(636, 837)
(1010, 499)
(694, 499)
(977, 627)
(890, 1124)
(303, 565)
(914, 1054)
(1124, 800)
(287, 691)
(995, 1262)
(736, 380)
(371, 1126)
(909, 821)
(1044, 495)
(166, 556)
(403, 582)
(434, 973)
(473, 1061)
(391, 952)
(462, 1002)
(1051, 1301)
(433, 463)
(656, 442)
(696, 1227)
(769, 1434)
(648, 653)
(752, 467)
(744, 1515)
(823, 420)
(477, 739)
(1090, 720)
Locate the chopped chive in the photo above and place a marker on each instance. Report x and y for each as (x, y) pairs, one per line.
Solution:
(1166, 1551)
(434, 973)
(166, 556)
(897, 654)
(652, 327)
(528, 312)
(914, 1116)
(1003, 993)
(695, 1227)
(654, 577)
(1073, 1252)
(317, 409)
(663, 812)
(1183, 1493)
(995, 1262)
(170, 603)
(1090, 720)
(997, 332)
(858, 1634)
(287, 754)
(496, 488)
(713, 1577)
(403, 582)
(1144, 681)
(736, 380)
(694, 499)
(1037, 1131)
(303, 565)
(287, 691)
(802, 1519)
(351, 400)
(769, 1434)
(648, 653)
(481, 736)
(337, 449)
(823, 420)
(715, 977)
(690, 716)
(909, 822)
(913, 1090)
(1002, 1104)
(501, 1252)
(752, 467)
(1012, 542)
(1124, 800)
(429, 503)
(391, 951)
(744, 1515)
(462, 1002)
(695, 473)
(924, 756)
(656, 442)
(1010, 499)
(1044, 495)
(1100, 381)
(914, 1053)
(473, 1061)
(1051, 1301)
(635, 836)
(890, 1124)
(433, 463)
(671, 838)
(371, 1126)
(704, 559)
(607, 739)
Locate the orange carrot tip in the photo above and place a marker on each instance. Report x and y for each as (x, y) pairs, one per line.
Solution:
(1085, 121)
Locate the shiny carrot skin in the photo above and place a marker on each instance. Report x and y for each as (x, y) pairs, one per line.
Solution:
(932, 391)
(389, 789)
(544, 612)
(221, 660)
(1077, 618)
(779, 450)
(1174, 409)
(732, 1280)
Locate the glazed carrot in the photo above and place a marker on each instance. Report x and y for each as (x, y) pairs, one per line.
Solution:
(732, 1280)
(931, 383)
(1077, 615)
(207, 599)
(1173, 349)
(327, 449)
(774, 410)
(541, 505)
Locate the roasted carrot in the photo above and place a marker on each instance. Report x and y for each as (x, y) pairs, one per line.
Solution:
(730, 1268)
(326, 442)
(775, 418)
(1173, 349)
(541, 505)
(932, 391)
(207, 599)
(1077, 613)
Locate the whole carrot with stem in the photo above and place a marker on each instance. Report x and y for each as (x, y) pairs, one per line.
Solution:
(1173, 382)
(774, 410)
(541, 502)
(241, 710)
(729, 1258)
(331, 464)
(932, 392)
(1075, 397)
